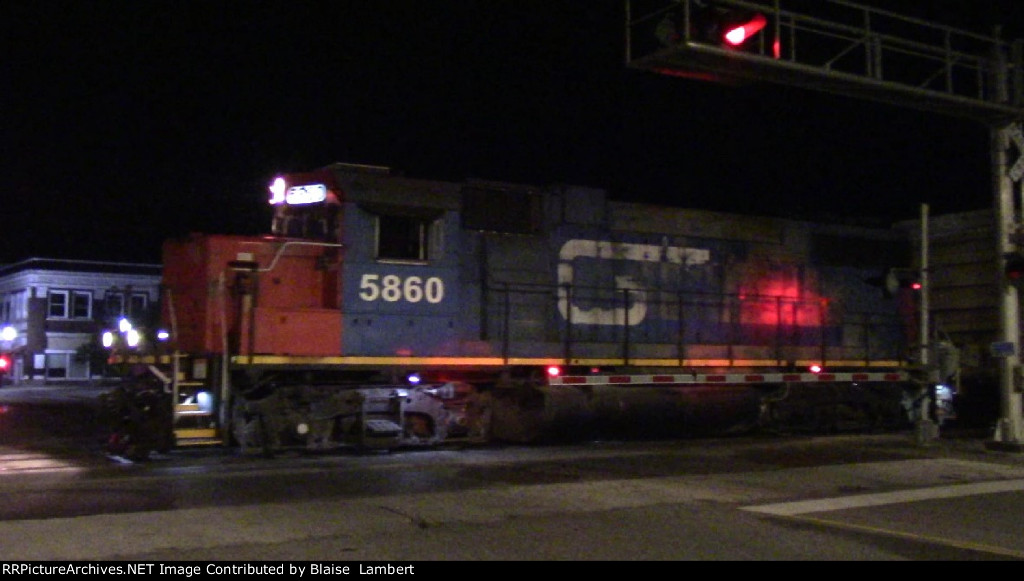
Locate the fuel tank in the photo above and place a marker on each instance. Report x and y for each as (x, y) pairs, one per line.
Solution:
(561, 413)
(578, 413)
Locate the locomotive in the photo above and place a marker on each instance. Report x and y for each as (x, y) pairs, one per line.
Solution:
(383, 310)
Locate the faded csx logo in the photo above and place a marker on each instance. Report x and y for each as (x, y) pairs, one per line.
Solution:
(633, 311)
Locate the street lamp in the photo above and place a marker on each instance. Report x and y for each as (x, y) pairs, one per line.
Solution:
(129, 335)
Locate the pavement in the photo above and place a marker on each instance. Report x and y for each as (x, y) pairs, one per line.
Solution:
(40, 392)
(528, 521)
(367, 528)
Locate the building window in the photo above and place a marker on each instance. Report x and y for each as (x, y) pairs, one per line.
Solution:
(137, 304)
(62, 304)
(114, 304)
(57, 365)
(57, 307)
(18, 305)
(60, 365)
(81, 305)
(77, 369)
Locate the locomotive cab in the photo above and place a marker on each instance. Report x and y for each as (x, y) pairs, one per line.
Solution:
(306, 206)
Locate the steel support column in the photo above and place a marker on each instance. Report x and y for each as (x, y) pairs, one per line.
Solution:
(1008, 430)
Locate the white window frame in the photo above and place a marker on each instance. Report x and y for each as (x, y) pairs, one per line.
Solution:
(70, 301)
(50, 304)
(73, 305)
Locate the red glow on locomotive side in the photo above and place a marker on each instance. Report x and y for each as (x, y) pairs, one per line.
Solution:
(774, 301)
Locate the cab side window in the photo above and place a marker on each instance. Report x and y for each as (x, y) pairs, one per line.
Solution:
(402, 237)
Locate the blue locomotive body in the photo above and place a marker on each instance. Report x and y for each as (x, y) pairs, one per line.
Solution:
(480, 288)
(436, 269)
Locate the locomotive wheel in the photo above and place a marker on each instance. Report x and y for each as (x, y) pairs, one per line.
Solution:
(267, 448)
(250, 430)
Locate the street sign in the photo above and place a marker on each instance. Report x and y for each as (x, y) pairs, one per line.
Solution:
(1002, 349)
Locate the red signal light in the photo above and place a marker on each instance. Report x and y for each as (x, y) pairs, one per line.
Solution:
(737, 34)
(5, 363)
(1014, 268)
(896, 279)
(815, 368)
(554, 371)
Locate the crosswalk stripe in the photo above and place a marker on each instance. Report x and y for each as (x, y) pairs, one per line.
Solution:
(879, 499)
(34, 462)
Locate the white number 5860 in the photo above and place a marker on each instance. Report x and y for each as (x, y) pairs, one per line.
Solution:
(392, 288)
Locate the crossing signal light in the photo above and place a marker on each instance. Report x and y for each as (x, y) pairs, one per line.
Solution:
(737, 28)
(896, 279)
(5, 364)
(710, 24)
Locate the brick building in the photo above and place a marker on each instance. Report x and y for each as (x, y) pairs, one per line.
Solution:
(58, 310)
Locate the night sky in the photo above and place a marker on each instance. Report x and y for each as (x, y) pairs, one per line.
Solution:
(128, 122)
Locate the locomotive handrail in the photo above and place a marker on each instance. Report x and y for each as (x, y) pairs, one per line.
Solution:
(283, 247)
(779, 328)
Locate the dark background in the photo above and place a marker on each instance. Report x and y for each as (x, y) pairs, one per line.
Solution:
(128, 122)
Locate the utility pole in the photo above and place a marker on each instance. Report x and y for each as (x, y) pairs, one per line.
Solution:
(1008, 433)
(927, 429)
(981, 77)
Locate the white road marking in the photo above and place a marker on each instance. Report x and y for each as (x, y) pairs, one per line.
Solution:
(35, 462)
(883, 498)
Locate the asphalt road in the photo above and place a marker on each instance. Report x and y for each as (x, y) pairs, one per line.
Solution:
(765, 497)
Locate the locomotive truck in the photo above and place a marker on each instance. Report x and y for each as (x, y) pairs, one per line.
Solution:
(383, 310)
